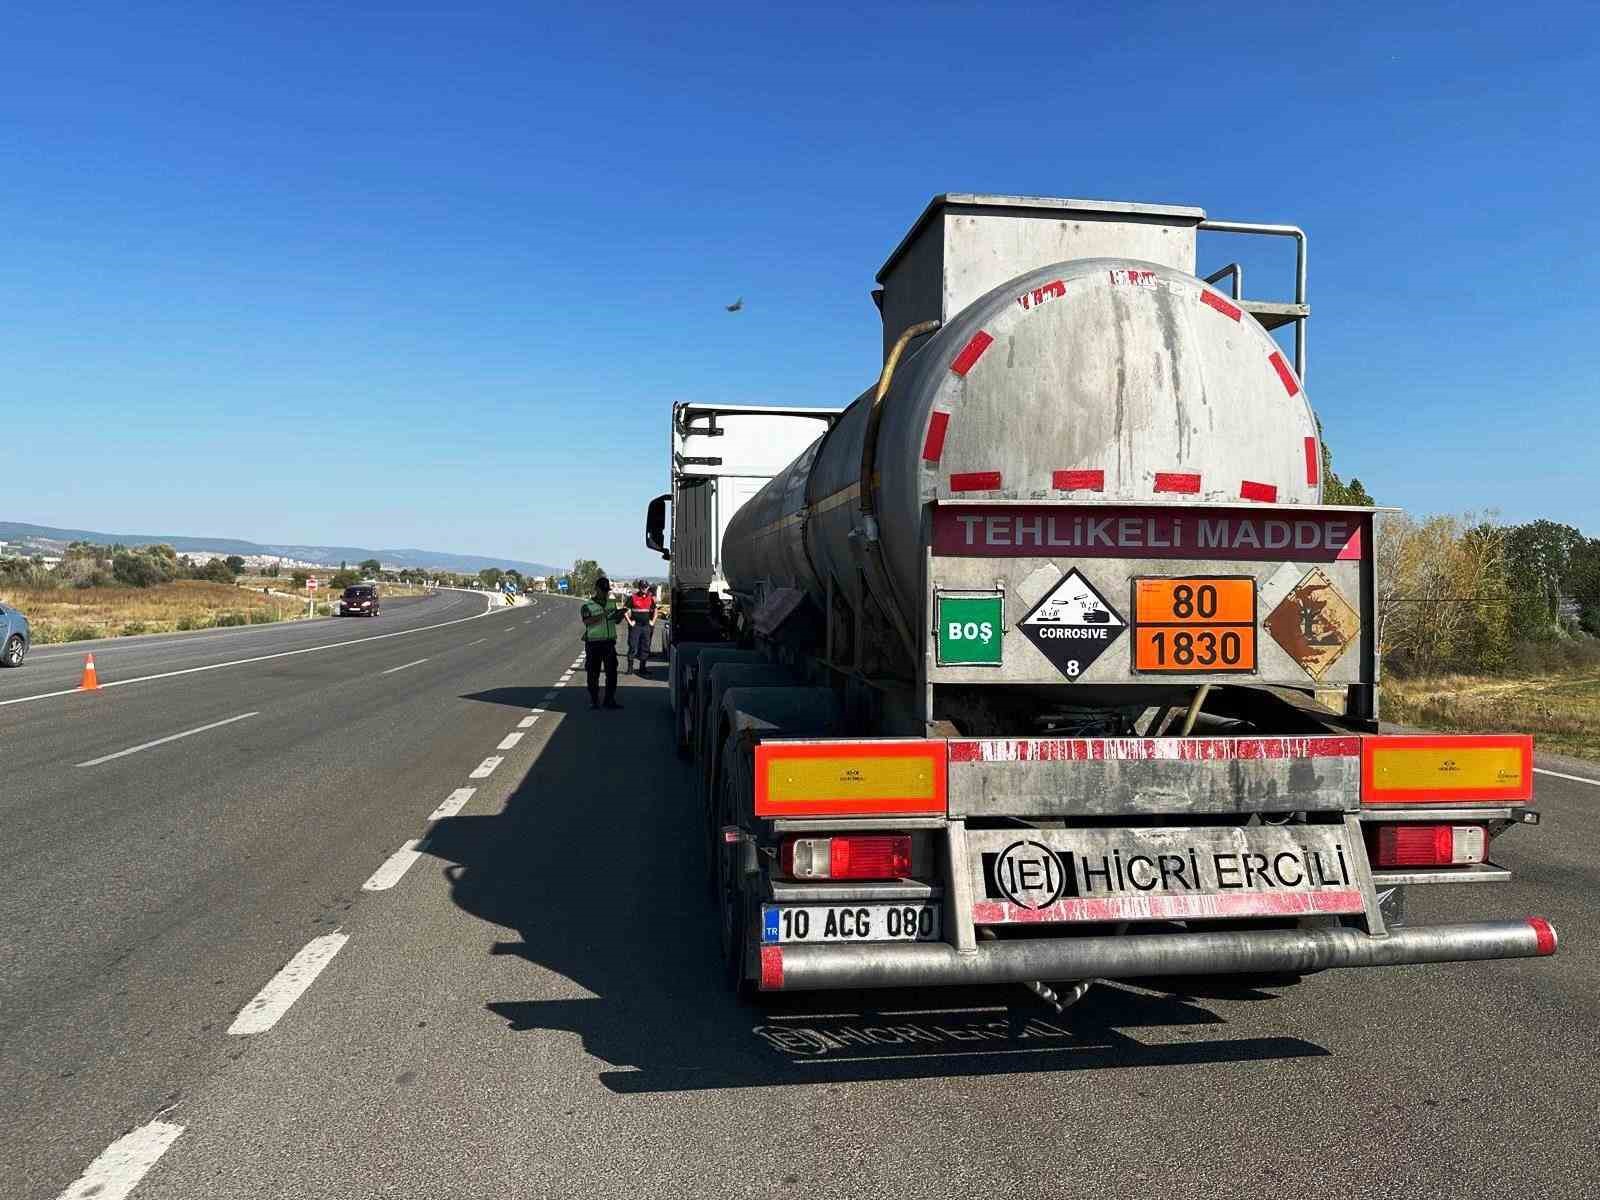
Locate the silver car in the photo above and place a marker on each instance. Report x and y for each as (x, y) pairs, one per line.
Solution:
(14, 637)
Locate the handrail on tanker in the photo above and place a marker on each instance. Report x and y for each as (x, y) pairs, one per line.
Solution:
(869, 442)
(1299, 236)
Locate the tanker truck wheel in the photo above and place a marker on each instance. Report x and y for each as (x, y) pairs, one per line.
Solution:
(732, 899)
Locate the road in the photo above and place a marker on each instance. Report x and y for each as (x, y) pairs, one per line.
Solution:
(531, 1005)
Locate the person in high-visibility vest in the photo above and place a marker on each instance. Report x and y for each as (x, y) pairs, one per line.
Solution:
(641, 624)
(601, 616)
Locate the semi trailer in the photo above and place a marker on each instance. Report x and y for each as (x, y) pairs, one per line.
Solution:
(1027, 647)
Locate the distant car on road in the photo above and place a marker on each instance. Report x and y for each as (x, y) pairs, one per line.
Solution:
(360, 600)
(15, 637)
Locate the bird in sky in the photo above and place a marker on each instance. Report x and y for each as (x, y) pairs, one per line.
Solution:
(736, 305)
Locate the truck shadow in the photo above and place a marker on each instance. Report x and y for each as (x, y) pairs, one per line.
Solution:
(595, 866)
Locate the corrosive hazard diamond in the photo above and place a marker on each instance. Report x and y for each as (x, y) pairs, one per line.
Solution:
(1073, 625)
(1314, 623)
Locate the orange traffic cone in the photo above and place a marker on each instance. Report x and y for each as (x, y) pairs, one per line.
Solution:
(91, 681)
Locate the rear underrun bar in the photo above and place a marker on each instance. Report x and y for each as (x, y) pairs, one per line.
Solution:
(816, 968)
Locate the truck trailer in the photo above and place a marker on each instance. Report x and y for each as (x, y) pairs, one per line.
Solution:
(1027, 647)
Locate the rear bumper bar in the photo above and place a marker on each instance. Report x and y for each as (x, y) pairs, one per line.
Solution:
(888, 965)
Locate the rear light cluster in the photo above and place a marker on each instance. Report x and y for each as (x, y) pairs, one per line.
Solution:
(1403, 844)
(857, 856)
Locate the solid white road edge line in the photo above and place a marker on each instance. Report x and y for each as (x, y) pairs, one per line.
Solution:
(509, 741)
(1573, 778)
(395, 866)
(241, 662)
(105, 758)
(414, 663)
(452, 804)
(486, 768)
(287, 986)
(124, 1163)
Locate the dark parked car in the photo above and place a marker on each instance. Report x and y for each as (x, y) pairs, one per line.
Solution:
(14, 637)
(361, 600)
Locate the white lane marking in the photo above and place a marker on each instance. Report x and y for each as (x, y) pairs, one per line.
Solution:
(529, 621)
(474, 643)
(396, 865)
(287, 986)
(241, 662)
(566, 677)
(452, 804)
(510, 740)
(528, 722)
(1573, 778)
(124, 1163)
(486, 768)
(549, 696)
(413, 663)
(105, 758)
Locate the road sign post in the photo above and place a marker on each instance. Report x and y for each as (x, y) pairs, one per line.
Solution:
(311, 596)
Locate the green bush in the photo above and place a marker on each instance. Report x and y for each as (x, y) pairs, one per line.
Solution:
(134, 628)
(231, 618)
(193, 621)
(81, 633)
(263, 616)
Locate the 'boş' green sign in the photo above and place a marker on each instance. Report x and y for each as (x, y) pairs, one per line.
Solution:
(969, 630)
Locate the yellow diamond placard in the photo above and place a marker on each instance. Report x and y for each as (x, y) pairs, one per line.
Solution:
(1314, 623)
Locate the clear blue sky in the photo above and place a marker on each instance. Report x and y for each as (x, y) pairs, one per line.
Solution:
(372, 273)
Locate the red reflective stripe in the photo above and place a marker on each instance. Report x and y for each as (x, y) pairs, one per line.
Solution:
(1008, 750)
(1313, 459)
(1543, 934)
(1172, 908)
(975, 481)
(934, 446)
(1249, 490)
(1176, 481)
(1290, 384)
(972, 353)
(1091, 481)
(772, 968)
(1231, 311)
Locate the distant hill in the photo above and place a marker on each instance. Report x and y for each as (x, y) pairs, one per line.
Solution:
(46, 539)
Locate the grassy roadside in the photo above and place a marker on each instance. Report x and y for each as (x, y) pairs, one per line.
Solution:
(77, 614)
(1560, 709)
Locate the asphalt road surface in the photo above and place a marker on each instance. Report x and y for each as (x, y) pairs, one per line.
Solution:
(288, 955)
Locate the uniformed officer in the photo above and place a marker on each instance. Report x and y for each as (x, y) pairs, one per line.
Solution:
(601, 616)
(641, 624)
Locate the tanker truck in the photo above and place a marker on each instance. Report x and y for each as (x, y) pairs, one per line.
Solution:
(1029, 646)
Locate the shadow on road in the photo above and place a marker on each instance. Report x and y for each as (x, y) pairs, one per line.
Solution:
(594, 863)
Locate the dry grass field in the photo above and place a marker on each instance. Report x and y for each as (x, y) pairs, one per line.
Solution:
(1561, 709)
(72, 614)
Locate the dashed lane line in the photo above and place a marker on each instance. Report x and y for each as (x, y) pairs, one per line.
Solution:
(1571, 778)
(394, 867)
(416, 662)
(510, 741)
(529, 721)
(288, 985)
(486, 768)
(452, 804)
(124, 1163)
(105, 758)
(241, 662)
(478, 642)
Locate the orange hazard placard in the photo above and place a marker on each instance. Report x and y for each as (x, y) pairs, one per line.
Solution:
(1194, 625)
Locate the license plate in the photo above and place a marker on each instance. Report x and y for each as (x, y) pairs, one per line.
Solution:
(1194, 625)
(782, 924)
(1165, 874)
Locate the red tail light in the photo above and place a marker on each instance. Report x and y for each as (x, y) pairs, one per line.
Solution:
(1403, 844)
(859, 856)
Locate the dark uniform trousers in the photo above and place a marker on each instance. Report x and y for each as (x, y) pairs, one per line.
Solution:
(600, 654)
